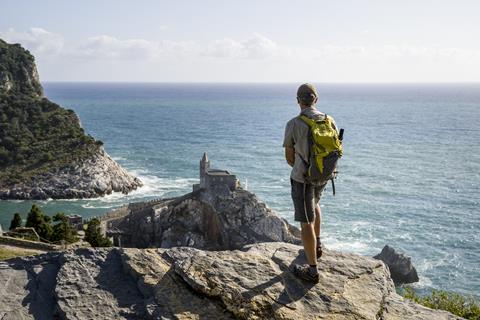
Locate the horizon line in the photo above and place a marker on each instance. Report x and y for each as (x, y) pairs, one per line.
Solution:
(266, 82)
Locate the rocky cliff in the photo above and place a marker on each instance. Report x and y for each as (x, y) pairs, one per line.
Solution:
(240, 268)
(44, 151)
(203, 220)
(187, 283)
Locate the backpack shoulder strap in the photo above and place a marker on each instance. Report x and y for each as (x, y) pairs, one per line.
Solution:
(307, 120)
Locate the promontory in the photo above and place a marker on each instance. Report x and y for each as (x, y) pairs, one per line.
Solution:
(44, 151)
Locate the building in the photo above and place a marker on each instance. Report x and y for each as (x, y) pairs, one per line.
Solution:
(75, 221)
(215, 179)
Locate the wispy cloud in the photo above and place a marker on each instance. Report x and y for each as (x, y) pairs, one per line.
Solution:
(254, 56)
(254, 47)
(112, 48)
(38, 40)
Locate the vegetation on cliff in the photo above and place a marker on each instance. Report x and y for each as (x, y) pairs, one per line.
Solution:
(464, 306)
(11, 252)
(36, 135)
(18, 74)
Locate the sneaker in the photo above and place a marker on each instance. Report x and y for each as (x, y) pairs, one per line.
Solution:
(302, 271)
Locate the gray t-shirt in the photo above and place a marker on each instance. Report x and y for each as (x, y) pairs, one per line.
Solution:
(296, 136)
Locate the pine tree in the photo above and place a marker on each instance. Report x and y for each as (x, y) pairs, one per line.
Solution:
(94, 236)
(16, 221)
(62, 230)
(40, 222)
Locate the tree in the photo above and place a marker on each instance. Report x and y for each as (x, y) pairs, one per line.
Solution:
(16, 221)
(62, 230)
(40, 222)
(94, 236)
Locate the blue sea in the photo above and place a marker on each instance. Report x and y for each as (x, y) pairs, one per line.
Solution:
(410, 175)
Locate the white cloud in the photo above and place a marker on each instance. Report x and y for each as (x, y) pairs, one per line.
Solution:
(39, 41)
(252, 57)
(108, 47)
(112, 48)
(255, 47)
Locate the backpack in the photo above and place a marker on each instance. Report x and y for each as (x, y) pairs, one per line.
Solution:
(325, 150)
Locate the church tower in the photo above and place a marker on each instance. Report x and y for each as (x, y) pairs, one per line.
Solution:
(204, 166)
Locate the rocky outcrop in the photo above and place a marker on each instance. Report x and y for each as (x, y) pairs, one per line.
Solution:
(187, 283)
(401, 268)
(44, 151)
(94, 177)
(202, 220)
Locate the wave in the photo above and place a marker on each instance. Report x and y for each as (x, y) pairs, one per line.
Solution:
(153, 187)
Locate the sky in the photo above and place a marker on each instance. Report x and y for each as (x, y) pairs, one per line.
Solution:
(357, 41)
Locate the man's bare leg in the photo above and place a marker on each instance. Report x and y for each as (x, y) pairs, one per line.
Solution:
(318, 220)
(318, 223)
(309, 242)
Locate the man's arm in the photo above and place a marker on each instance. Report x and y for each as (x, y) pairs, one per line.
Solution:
(290, 155)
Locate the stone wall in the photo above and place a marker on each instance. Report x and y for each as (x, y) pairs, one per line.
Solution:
(27, 244)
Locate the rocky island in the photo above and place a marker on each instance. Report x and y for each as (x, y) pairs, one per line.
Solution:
(216, 253)
(44, 151)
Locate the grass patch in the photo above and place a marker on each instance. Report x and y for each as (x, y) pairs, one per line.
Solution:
(467, 307)
(8, 253)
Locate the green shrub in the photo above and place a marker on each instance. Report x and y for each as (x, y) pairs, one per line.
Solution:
(62, 229)
(467, 307)
(16, 221)
(93, 234)
(40, 222)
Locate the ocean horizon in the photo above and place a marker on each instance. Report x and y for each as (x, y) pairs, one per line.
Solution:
(409, 178)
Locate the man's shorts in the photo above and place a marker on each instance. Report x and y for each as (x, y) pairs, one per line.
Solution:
(305, 197)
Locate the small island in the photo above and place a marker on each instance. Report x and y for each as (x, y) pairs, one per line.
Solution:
(44, 151)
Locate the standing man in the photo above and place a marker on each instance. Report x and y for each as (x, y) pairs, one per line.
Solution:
(305, 195)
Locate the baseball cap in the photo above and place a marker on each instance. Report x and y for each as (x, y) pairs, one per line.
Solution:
(307, 91)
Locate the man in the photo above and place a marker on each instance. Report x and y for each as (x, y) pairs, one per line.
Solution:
(305, 196)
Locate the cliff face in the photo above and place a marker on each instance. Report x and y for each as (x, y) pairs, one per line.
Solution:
(202, 220)
(18, 73)
(187, 283)
(44, 152)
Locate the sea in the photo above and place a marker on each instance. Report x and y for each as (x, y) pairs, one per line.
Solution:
(409, 176)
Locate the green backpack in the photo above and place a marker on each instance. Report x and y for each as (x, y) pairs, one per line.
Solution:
(325, 150)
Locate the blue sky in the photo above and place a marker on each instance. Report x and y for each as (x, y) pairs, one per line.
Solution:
(248, 41)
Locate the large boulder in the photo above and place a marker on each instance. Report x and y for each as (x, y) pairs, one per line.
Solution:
(187, 283)
(400, 265)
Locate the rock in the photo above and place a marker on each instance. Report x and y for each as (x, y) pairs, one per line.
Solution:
(26, 290)
(205, 221)
(91, 284)
(97, 176)
(187, 283)
(401, 268)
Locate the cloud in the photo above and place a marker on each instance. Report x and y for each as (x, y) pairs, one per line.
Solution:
(253, 56)
(255, 47)
(40, 41)
(108, 47)
(112, 48)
